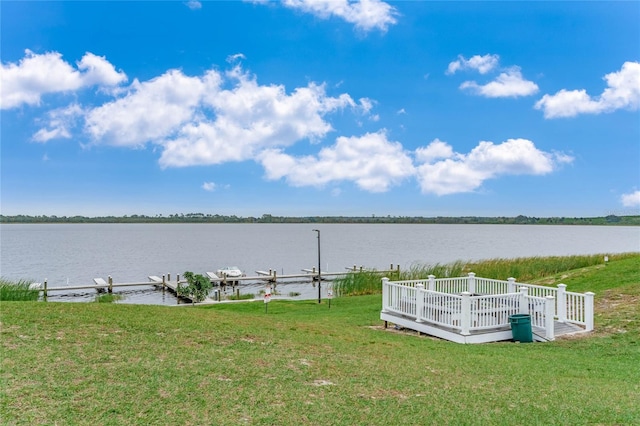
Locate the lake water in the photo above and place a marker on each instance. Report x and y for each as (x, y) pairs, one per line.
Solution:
(74, 254)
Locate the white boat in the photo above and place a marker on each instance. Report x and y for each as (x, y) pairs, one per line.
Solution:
(230, 272)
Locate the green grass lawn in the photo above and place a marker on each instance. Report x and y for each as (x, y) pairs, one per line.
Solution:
(305, 364)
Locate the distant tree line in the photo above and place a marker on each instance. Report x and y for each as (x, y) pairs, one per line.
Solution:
(267, 218)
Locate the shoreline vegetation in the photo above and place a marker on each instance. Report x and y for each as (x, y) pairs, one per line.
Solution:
(309, 363)
(524, 269)
(623, 220)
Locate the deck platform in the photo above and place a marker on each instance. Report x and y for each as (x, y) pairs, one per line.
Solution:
(479, 310)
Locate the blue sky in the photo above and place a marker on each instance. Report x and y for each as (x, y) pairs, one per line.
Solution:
(320, 108)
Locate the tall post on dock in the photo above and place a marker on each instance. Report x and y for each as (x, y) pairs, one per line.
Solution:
(319, 273)
(110, 284)
(45, 290)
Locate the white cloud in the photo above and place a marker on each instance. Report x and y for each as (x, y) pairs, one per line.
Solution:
(631, 200)
(194, 4)
(482, 64)
(219, 117)
(209, 186)
(366, 15)
(98, 71)
(508, 84)
(446, 172)
(38, 74)
(151, 110)
(622, 92)
(436, 150)
(235, 58)
(192, 118)
(250, 118)
(61, 122)
(371, 161)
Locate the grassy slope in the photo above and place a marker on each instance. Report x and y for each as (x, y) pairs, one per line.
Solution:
(303, 363)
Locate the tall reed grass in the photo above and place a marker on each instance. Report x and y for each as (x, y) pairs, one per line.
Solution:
(17, 291)
(522, 269)
(358, 284)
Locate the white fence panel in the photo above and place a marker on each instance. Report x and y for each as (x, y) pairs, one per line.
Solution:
(542, 291)
(537, 311)
(575, 303)
(489, 286)
(401, 299)
(452, 285)
(493, 311)
(441, 308)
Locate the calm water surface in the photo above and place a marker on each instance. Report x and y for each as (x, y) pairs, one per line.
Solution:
(77, 253)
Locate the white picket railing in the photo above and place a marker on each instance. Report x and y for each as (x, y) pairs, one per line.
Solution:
(472, 303)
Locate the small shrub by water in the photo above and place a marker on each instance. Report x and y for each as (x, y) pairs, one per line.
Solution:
(197, 288)
(247, 296)
(108, 298)
(17, 291)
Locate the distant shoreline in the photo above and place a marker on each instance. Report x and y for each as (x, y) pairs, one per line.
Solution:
(631, 220)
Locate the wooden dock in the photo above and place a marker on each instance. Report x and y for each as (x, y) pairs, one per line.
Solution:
(101, 285)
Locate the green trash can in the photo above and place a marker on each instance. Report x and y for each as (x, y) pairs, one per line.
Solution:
(521, 328)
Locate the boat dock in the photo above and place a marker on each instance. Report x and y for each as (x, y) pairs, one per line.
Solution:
(165, 282)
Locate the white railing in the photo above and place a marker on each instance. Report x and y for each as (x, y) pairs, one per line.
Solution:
(472, 303)
(493, 311)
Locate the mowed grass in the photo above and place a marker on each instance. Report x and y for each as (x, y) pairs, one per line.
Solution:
(305, 363)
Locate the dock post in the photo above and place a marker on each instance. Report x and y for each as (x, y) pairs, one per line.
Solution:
(164, 283)
(110, 284)
(178, 283)
(45, 290)
(274, 281)
(168, 276)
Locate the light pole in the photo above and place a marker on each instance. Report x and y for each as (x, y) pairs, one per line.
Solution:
(319, 275)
